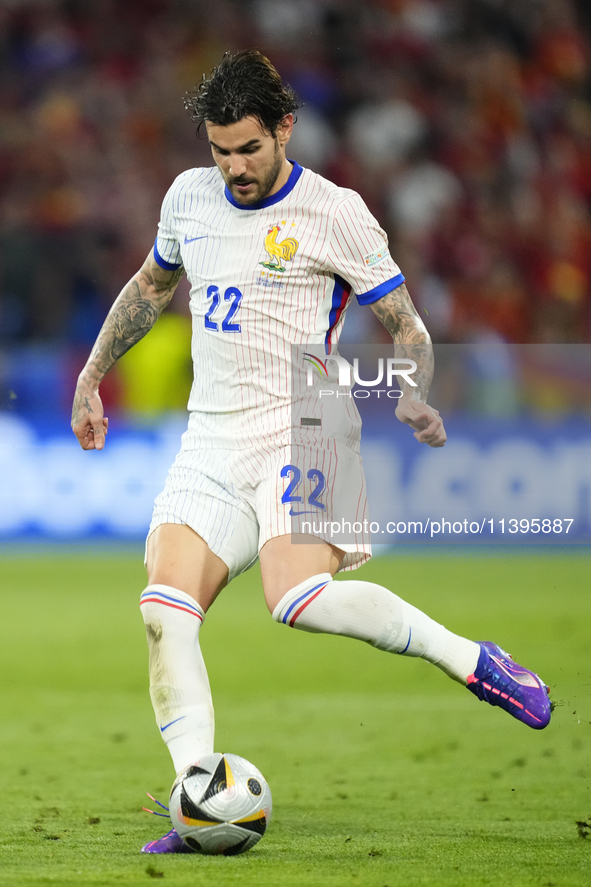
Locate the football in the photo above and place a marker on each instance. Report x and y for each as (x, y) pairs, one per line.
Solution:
(220, 805)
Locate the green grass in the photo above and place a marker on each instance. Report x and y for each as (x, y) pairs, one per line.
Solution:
(383, 771)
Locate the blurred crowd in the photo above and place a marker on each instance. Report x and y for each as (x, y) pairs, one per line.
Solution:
(464, 124)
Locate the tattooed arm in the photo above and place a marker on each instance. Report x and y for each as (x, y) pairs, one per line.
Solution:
(412, 341)
(134, 313)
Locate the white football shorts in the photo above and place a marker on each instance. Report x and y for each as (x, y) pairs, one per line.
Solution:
(238, 499)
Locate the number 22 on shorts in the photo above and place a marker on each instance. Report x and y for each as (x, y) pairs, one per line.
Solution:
(290, 495)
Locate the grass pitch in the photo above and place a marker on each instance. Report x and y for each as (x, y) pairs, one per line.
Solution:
(383, 771)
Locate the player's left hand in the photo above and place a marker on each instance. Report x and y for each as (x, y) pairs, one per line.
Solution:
(423, 419)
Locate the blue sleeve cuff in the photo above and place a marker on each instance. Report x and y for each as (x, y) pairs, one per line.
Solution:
(380, 291)
(168, 266)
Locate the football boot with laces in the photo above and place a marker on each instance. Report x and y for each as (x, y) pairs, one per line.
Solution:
(498, 680)
(171, 842)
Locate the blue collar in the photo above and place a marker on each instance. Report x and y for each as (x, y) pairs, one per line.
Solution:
(273, 198)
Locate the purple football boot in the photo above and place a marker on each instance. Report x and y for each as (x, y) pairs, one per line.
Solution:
(169, 843)
(500, 681)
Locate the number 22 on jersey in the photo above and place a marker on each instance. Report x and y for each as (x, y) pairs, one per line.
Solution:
(231, 295)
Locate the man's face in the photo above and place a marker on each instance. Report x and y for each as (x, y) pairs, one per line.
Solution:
(251, 160)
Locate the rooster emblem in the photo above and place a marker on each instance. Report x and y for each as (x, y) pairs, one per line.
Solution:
(284, 250)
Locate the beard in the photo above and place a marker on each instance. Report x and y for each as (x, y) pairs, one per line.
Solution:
(263, 186)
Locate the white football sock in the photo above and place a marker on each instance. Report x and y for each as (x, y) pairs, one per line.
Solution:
(179, 686)
(371, 613)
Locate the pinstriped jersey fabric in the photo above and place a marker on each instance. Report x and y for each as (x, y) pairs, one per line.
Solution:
(264, 278)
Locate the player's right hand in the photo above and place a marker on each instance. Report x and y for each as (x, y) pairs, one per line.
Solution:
(88, 422)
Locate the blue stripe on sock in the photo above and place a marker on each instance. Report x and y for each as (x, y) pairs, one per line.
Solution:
(300, 599)
(400, 652)
(168, 597)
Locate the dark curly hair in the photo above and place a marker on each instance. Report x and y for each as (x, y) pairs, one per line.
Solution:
(244, 84)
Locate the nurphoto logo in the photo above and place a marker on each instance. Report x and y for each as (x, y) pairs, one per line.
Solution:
(388, 371)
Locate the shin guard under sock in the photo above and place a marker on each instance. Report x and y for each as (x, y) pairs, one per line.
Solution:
(373, 614)
(179, 686)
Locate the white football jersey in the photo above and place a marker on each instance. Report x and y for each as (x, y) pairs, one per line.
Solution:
(264, 277)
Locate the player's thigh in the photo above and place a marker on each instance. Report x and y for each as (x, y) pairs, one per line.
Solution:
(288, 560)
(177, 556)
(309, 493)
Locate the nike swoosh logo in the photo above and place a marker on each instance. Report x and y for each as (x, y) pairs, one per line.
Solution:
(191, 239)
(162, 729)
(520, 677)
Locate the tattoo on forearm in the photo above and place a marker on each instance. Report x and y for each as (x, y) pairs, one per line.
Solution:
(411, 339)
(133, 314)
(129, 321)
